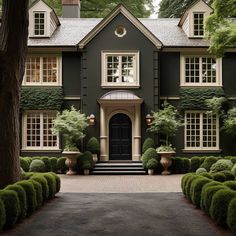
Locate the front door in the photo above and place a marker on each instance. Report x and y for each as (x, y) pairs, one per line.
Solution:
(120, 137)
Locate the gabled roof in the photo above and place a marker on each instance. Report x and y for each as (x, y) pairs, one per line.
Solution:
(123, 10)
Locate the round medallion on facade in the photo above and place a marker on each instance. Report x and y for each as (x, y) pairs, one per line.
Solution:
(120, 31)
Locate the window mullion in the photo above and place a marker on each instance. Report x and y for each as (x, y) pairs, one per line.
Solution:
(200, 69)
(201, 130)
(41, 70)
(120, 69)
(41, 130)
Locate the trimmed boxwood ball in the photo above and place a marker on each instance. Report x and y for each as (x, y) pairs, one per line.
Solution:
(61, 165)
(27, 175)
(201, 170)
(205, 174)
(230, 184)
(219, 205)
(53, 163)
(30, 195)
(184, 179)
(220, 177)
(39, 192)
(148, 143)
(12, 206)
(93, 146)
(58, 181)
(233, 159)
(186, 165)
(41, 179)
(2, 215)
(28, 159)
(228, 175)
(195, 163)
(149, 154)
(37, 166)
(188, 185)
(47, 163)
(231, 215)
(202, 159)
(152, 164)
(221, 165)
(208, 162)
(85, 161)
(51, 184)
(196, 189)
(24, 164)
(233, 170)
(22, 199)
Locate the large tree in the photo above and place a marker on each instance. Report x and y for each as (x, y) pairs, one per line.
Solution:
(220, 29)
(13, 48)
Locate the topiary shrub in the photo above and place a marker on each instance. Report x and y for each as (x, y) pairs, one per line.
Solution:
(39, 192)
(28, 159)
(149, 154)
(30, 195)
(205, 174)
(93, 146)
(195, 163)
(220, 177)
(53, 163)
(188, 185)
(47, 163)
(233, 170)
(52, 185)
(186, 165)
(183, 181)
(230, 184)
(24, 164)
(2, 215)
(152, 164)
(148, 143)
(201, 170)
(219, 205)
(22, 199)
(58, 181)
(85, 157)
(233, 159)
(231, 215)
(196, 189)
(202, 159)
(177, 165)
(221, 165)
(12, 206)
(37, 166)
(228, 175)
(208, 162)
(27, 175)
(61, 165)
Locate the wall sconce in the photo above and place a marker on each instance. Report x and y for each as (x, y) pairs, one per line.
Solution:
(91, 119)
(148, 119)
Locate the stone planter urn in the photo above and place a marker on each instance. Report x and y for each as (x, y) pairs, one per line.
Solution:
(71, 161)
(86, 172)
(95, 158)
(166, 161)
(150, 172)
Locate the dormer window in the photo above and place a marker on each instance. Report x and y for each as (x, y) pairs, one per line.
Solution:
(39, 23)
(198, 24)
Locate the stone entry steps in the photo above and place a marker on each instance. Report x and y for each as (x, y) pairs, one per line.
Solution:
(118, 168)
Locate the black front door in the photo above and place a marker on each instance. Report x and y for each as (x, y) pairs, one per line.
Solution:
(120, 136)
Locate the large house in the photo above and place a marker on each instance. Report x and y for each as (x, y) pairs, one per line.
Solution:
(117, 70)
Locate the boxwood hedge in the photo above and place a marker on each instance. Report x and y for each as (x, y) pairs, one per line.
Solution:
(2, 215)
(231, 215)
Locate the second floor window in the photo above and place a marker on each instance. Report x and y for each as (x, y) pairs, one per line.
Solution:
(198, 24)
(41, 70)
(39, 23)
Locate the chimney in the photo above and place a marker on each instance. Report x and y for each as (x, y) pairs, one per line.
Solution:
(71, 8)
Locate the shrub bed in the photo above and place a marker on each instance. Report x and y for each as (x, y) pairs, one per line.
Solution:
(195, 163)
(208, 162)
(148, 143)
(2, 215)
(149, 154)
(231, 215)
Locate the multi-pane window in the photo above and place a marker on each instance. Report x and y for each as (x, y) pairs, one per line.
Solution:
(200, 71)
(39, 23)
(120, 69)
(198, 24)
(37, 130)
(201, 131)
(42, 70)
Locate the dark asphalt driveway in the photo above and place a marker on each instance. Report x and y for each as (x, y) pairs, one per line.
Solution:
(136, 214)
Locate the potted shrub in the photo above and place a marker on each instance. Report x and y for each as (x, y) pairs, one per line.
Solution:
(86, 166)
(93, 146)
(166, 122)
(151, 166)
(71, 125)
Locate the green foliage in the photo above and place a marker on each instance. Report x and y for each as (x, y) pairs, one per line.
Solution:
(180, 165)
(195, 163)
(188, 185)
(231, 215)
(93, 146)
(71, 124)
(221, 165)
(166, 122)
(85, 160)
(233, 159)
(201, 170)
(52, 184)
(61, 165)
(148, 143)
(184, 180)
(205, 174)
(229, 125)
(53, 164)
(195, 98)
(39, 192)
(47, 163)
(22, 199)
(58, 181)
(24, 163)
(12, 206)
(208, 162)
(219, 205)
(230, 184)
(219, 176)
(228, 175)
(37, 166)
(2, 215)
(217, 105)
(152, 164)
(41, 179)
(234, 169)
(148, 155)
(41, 98)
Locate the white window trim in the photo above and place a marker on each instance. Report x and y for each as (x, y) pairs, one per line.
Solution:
(201, 133)
(200, 84)
(24, 133)
(106, 84)
(41, 83)
(45, 24)
(204, 17)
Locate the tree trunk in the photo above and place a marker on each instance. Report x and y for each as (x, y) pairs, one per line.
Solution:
(13, 48)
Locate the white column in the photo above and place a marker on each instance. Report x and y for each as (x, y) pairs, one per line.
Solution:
(103, 135)
(137, 134)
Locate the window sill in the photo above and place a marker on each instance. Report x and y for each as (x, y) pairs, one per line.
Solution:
(41, 85)
(120, 86)
(201, 151)
(200, 86)
(41, 150)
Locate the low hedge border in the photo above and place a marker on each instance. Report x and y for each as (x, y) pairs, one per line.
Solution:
(22, 198)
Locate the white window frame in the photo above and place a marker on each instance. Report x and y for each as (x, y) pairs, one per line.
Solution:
(104, 83)
(201, 148)
(24, 132)
(45, 24)
(193, 24)
(41, 83)
(201, 84)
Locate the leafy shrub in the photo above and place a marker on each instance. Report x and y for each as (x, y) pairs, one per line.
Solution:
(85, 157)
(24, 164)
(231, 215)
(58, 181)
(47, 163)
(39, 192)
(12, 206)
(180, 165)
(61, 165)
(233, 159)
(188, 185)
(41, 179)
(86, 165)
(186, 165)
(30, 195)
(219, 205)
(202, 159)
(234, 169)
(28, 159)
(230, 184)
(22, 199)
(205, 174)
(228, 175)
(208, 162)
(27, 175)
(195, 163)
(148, 155)
(152, 164)
(148, 143)
(2, 215)
(221, 165)
(196, 189)
(52, 185)
(93, 146)
(53, 163)
(183, 181)
(201, 170)
(220, 177)
(37, 166)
